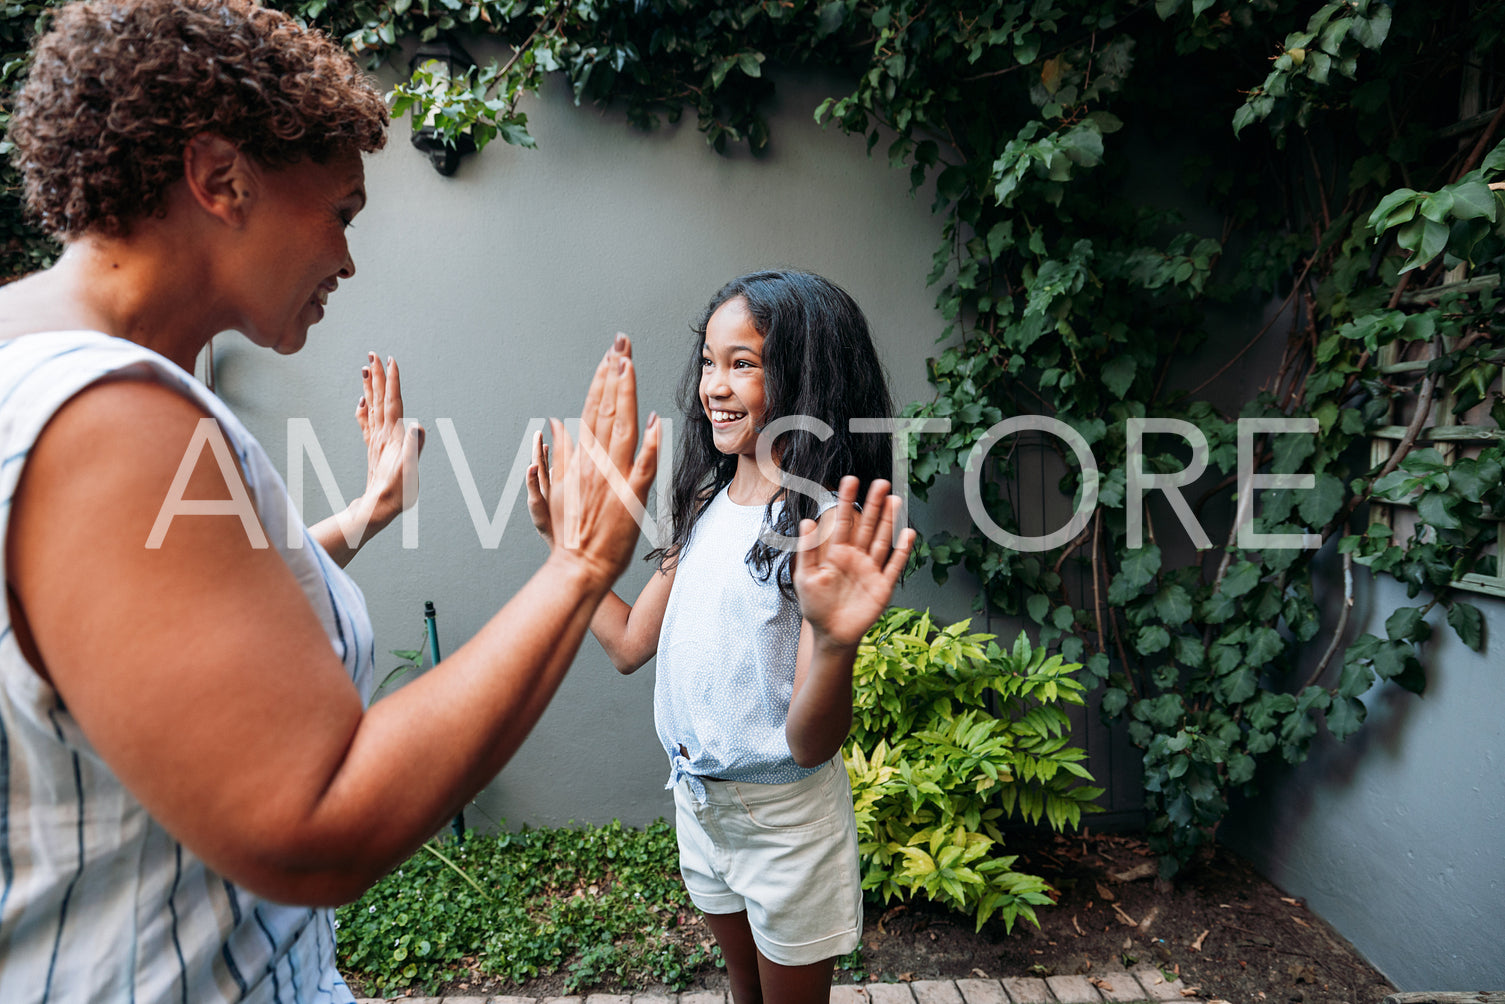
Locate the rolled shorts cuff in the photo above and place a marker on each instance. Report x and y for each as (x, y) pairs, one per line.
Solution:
(717, 903)
(842, 943)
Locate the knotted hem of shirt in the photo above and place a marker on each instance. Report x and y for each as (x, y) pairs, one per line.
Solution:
(679, 768)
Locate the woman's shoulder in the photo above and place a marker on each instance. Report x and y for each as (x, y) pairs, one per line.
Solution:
(65, 351)
(41, 372)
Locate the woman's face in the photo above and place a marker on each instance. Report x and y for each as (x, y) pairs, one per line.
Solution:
(298, 251)
(731, 379)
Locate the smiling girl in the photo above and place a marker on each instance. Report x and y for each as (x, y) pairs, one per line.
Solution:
(756, 611)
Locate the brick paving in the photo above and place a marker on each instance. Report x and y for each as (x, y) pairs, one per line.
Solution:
(1144, 985)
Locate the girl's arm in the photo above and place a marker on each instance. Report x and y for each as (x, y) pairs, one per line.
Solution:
(844, 583)
(392, 451)
(202, 677)
(629, 634)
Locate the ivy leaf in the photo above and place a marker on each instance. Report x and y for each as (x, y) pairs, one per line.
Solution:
(1345, 716)
(1319, 505)
(1437, 509)
(830, 17)
(1390, 660)
(1357, 678)
(1173, 605)
(1473, 200)
(1425, 238)
(1038, 606)
(1114, 701)
(1139, 567)
(1218, 607)
(1394, 209)
(1118, 374)
(1152, 639)
(1264, 645)
(1241, 578)
(1239, 686)
(1162, 712)
(1189, 651)
(1411, 677)
(1406, 624)
(1474, 477)
(1291, 450)
(1438, 205)
(1225, 657)
(1468, 623)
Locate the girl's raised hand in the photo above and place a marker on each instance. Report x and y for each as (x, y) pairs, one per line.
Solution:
(844, 581)
(392, 447)
(539, 480)
(596, 487)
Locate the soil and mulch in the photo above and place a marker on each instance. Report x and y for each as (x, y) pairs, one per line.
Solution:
(1227, 932)
(1221, 927)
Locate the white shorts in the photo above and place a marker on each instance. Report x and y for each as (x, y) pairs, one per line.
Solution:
(785, 853)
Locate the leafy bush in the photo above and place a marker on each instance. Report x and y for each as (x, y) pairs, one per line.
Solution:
(951, 734)
(588, 901)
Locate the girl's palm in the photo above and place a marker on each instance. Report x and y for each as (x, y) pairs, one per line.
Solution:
(844, 581)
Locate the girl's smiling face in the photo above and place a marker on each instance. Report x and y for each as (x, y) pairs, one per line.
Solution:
(731, 379)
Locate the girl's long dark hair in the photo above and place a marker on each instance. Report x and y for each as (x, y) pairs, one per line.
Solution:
(818, 361)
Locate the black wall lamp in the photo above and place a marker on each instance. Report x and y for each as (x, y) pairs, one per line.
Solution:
(449, 62)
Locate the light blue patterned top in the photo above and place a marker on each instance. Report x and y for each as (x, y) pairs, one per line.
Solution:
(726, 658)
(98, 903)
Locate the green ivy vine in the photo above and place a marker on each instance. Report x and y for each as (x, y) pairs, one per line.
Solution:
(1336, 159)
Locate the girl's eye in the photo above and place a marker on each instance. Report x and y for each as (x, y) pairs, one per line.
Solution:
(705, 361)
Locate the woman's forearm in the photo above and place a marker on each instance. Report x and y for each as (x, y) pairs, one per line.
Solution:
(414, 758)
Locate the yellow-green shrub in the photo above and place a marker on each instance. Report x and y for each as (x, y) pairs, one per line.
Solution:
(951, 734)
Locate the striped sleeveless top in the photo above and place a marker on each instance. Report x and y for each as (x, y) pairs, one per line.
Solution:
(97, 902)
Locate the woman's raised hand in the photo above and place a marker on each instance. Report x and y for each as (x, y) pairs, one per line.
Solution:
(845, 577)
(586, 505)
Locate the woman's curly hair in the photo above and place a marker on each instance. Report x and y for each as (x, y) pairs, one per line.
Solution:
(119, 87)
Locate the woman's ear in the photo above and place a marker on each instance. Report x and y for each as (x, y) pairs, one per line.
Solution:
(221, 178)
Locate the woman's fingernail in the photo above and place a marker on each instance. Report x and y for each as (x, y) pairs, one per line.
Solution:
(620, 342)
(365, 373)
(652, 419)
(622, 366)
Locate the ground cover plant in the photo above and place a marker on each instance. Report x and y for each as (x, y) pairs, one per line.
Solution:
(592, 904)
(1223, 929)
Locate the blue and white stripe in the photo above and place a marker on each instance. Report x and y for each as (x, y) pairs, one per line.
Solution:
(98, 902)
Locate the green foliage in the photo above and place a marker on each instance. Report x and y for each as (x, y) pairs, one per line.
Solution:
(951, 735)
(591, 902)
(1110, 177)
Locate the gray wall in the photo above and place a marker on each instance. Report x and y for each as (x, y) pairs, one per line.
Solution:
(498, 289)
(1397, 837)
